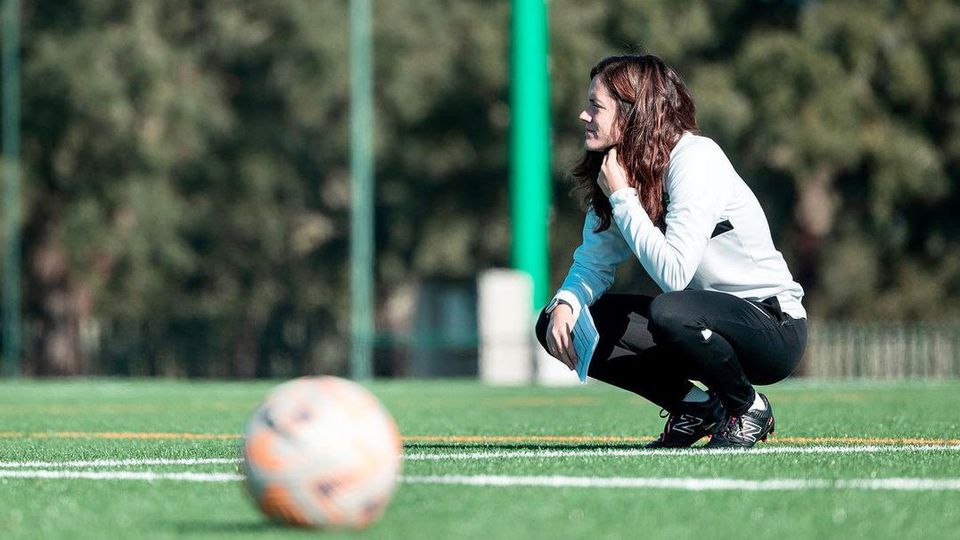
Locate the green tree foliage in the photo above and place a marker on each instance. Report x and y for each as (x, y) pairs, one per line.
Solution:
(186, 167)
(186, 163)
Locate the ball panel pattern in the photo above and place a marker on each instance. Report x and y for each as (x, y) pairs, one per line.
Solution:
(323, 452)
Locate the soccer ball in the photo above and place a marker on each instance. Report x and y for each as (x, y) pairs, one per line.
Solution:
(322, 452)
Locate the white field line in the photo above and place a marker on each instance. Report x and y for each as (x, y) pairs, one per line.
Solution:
(684, 484)
(122, 475)
(511, 454)
(639, 452)
(104, 463)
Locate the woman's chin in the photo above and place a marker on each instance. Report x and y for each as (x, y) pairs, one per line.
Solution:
(593, 145)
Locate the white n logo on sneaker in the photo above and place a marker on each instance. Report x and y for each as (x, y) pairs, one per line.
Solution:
(749, 429)
(686, 423)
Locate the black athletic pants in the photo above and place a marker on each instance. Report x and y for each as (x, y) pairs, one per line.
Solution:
(654, 346)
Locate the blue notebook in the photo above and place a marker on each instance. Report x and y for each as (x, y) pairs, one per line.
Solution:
(585, 340)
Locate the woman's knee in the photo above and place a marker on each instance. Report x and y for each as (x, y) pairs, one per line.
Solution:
(669, 315)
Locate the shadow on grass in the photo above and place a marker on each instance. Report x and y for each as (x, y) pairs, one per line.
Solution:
(189, 528)
(253, 529)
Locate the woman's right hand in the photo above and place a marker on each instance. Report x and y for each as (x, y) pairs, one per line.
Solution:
(560, 335)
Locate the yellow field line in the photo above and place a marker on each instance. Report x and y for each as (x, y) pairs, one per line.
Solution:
(863, 440)
(480, 439)
(473, 439)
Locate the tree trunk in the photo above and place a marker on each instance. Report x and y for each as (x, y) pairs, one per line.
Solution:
(815, 212)
(57, 309)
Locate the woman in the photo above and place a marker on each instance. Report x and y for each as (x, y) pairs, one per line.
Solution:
(730, 315)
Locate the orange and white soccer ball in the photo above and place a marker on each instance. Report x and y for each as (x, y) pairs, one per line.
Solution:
(322, 452)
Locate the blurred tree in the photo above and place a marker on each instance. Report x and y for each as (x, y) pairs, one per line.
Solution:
(186, 166)
(896, 172)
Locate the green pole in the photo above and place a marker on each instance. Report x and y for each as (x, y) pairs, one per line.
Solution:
(530, 143)
(361, 170)
(11, 188)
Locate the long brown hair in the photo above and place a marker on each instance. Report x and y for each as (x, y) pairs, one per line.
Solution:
(654, 108)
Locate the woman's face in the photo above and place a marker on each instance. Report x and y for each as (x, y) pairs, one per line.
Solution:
(600, 130)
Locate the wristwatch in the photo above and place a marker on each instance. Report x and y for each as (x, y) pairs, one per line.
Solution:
(556, 302)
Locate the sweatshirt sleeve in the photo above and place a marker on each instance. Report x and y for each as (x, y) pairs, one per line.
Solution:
(696, 200)
(594, 265)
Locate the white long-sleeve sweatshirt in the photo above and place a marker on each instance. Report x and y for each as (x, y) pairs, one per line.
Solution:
(717, 237)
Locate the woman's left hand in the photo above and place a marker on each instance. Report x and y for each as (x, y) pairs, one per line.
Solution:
(612, 176)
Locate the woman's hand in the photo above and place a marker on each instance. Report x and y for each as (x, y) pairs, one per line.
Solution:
(560, 337)
(612, 176)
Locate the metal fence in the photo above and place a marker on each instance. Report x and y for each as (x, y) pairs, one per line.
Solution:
(882, 350)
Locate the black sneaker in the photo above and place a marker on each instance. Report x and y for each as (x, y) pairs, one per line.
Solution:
(690, 423)
(744, 431)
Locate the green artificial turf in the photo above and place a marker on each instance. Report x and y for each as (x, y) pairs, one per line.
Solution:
(55, 421)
